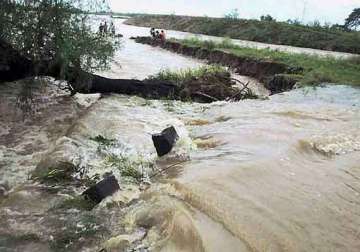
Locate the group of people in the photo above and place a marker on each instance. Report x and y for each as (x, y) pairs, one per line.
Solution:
(157, 35)
(104, 29)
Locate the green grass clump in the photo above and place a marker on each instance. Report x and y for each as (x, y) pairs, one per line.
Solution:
(126, 166)
(103, 140)
(60, 175)
(185, 75)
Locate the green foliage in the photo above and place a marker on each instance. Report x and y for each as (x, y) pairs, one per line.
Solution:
(127, 167)
(184, 75)
(226, 43)
(56, 32)
(103, 141)
(60, 175)
(267, 18)
(353, 21)
(232, 14)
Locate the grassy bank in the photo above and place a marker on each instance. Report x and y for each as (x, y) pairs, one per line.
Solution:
(206, 84)
(272, 32)
(316, 69)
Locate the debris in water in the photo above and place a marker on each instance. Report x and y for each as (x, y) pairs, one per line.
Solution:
(101, 190)
(165, 141)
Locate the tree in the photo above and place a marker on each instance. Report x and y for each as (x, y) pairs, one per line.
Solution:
(267, 18)
(353, 21)
(56, 33)
(232, 15)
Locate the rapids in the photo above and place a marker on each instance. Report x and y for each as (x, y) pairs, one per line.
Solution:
(274, 174)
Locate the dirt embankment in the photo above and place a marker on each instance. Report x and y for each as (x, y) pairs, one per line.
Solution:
(271, 32)
(277, 77)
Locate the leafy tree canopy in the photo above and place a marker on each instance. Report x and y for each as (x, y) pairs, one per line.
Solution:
(57, 31)
(353, 21)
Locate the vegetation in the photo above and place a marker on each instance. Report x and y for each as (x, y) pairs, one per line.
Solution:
(56, 34)
(185, 75)
(126, 167)
(353, 21)
(316, 69)
(204, 84)
(285, 33)
(103, 141)
(59, 175)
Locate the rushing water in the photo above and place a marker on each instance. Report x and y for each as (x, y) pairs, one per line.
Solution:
(278, 174)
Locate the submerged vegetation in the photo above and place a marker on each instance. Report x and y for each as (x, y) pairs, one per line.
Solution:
(316, 69)
(103, 140)
(127, 167)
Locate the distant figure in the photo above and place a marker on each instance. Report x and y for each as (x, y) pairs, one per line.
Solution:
(162, 36)
(101, 28)
(112, 29)
(157, 34)
(152, 32)
(105, 28)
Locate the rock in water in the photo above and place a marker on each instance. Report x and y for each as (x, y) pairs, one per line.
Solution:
(101, 190)
(165, 141)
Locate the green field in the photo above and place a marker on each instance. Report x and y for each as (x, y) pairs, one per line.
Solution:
(316, 69)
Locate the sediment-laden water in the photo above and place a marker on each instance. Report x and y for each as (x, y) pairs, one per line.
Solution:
(276, 174)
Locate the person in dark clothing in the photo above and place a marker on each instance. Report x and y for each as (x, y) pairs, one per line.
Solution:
(152, 32)
(105, 28)
(101, 28)
(157, 34)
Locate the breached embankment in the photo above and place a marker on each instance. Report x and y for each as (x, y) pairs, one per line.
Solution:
(277, 77)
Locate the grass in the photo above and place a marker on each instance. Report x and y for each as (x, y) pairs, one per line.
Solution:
(60, 175)
(103, 140)
(182, 76)
(316, 69)
(126, 166)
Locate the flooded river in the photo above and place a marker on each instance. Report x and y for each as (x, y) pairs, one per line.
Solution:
(276, 174)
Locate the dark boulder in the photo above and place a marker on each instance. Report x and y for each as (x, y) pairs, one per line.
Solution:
(165, 141)
(103, 189)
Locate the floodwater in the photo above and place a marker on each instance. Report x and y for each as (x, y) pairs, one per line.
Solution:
(276, 174)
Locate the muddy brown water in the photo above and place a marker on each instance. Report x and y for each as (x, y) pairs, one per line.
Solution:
(276, 174)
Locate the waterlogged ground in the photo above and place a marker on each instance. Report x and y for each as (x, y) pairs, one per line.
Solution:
(276, 174)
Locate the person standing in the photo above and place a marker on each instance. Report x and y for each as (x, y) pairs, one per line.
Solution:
(162, 36)
(112, 29)
(105, 28)
(152, 32)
